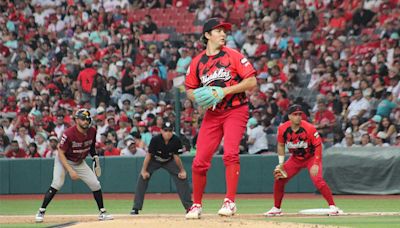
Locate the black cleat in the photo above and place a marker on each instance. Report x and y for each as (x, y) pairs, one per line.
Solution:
(134, 212)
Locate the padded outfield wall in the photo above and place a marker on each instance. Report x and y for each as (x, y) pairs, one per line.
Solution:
(355, 171)
(119, 175)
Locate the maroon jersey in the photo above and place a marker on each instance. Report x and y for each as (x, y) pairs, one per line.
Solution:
(227, 68)
(302, 143)
(76, 144)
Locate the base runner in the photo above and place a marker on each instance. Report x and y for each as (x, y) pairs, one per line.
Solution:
(76, 143)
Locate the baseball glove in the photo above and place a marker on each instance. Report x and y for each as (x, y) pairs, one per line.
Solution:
(208, 96)
(96, 166)
(279, 172)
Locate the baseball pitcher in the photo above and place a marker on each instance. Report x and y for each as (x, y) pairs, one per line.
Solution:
(217, 80)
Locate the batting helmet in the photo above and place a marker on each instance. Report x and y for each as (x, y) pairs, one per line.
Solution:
(83, 114)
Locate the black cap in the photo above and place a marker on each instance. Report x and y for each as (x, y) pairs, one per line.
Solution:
(295, 108)
(213, 23)
(168, 126)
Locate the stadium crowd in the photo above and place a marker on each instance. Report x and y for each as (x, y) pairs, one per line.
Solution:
(339, 59)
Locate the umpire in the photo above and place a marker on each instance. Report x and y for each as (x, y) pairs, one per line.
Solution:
(164, 150)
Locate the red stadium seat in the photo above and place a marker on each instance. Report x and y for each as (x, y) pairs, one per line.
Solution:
(162, 37)
(197, 29)
(147, 37)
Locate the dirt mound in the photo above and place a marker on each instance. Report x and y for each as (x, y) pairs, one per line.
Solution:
(207, 221)
(159, 221)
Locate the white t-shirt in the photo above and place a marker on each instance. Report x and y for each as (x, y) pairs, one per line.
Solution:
(249, 49)
(139, 152)
(356, 106)
(261, 142)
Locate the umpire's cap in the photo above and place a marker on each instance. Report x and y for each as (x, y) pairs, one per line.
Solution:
(295, 108)
(83, 114)
(214, 23)
(168, 126)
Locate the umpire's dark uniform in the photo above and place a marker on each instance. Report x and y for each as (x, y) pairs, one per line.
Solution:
(161, 155)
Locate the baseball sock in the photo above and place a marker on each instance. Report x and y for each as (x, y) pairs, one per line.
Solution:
(48, 196)
(199, 183)
(232, 173)
(98, 196)
(327, 194)
(279, 190)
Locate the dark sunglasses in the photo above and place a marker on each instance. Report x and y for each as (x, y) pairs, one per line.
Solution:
(86, 118)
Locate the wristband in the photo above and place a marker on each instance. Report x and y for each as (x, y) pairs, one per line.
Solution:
(281, 159)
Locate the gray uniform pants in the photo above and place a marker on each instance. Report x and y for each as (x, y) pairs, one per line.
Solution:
(182, 186)
(84, 172)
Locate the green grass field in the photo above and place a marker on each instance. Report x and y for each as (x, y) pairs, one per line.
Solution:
(250, 206)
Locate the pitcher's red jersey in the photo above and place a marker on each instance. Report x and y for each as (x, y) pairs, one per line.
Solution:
(227, 68)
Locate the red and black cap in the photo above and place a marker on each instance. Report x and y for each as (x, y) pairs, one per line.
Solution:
(295, 108)
(214, 23)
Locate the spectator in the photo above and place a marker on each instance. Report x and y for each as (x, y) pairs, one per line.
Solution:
(33, 151)
(128, 82)
(60, 125)
(144, 133)
(359, 107)
(371, 126)
(397, 143)
(355, 130)
(3, 136)
(386, 106)
(379, 140)
(85, 81)
(101, 125)
(366, 140)
(348, 141)
(110, 149)
(23, 138)
(324, 119)
(386, 130)
(14, 151)
(132, 151)
(149, 27)
(257, 138)
(52, 149)
(41, 143)
(183, 62)
(202, 12)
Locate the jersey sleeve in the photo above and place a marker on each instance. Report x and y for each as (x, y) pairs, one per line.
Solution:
(153, 146)
(192, 81)
(65, 143)
(243, 66)
(280, 135)
(314, 136)
(178, 149)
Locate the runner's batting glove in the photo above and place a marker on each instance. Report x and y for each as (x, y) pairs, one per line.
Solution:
(279, 172)
(96, 166)
(208, 96)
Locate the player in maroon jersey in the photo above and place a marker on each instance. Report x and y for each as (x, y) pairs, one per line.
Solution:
(232, 74)
(303, 142)
(76, 143)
